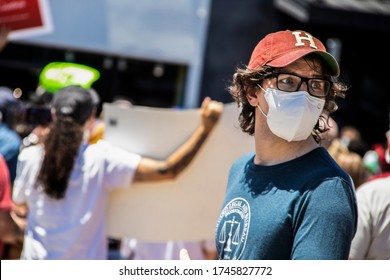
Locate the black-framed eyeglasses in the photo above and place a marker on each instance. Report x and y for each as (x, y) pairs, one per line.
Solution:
(288, 82)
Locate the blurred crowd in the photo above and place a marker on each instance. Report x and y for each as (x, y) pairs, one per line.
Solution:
(369, 168)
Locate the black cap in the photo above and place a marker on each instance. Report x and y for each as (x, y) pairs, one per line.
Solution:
(95, 96)
(75, 102)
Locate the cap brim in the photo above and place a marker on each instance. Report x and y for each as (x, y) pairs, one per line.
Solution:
(290, 57)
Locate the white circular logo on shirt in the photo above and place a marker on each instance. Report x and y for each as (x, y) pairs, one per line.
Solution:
(232, 228)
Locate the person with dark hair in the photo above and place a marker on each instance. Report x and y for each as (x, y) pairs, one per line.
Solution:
(53, 77)
(289, 199)
(65, 181)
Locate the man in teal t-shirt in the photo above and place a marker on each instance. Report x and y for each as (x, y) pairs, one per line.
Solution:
(289, 199)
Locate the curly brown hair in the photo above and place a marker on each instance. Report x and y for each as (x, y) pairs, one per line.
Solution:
(246, 80)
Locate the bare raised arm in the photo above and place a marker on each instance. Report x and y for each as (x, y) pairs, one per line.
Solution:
(155, 170)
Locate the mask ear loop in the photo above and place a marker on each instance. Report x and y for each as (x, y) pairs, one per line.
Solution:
(258, 105)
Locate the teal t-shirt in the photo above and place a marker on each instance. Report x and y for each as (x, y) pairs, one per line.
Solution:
(301, 209)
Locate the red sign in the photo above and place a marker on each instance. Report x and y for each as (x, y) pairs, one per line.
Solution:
(24, 15)
(20, 14)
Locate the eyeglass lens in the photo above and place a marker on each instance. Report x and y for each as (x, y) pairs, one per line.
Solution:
(315, 86)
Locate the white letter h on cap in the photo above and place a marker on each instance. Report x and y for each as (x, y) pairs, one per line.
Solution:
(300, 38)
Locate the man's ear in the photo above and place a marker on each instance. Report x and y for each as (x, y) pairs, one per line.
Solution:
(251, 96)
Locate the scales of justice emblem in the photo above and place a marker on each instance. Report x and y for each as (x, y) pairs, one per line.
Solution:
(233, 232)
(232, 238)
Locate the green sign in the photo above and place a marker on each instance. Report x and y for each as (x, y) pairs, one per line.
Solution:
(57, 75)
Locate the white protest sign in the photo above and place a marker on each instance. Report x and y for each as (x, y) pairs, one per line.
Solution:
(186, 208)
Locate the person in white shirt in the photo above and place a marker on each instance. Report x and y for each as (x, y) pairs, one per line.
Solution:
(65, 181)
(372, 238)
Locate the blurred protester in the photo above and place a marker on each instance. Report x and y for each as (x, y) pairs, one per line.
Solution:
(65, 182)
(10, 233)
(351, 162)
(377, 159)
(10, 141)
(372, 239)
(53, 77)
(351, 137)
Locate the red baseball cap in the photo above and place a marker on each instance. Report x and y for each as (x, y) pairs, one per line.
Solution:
(284, 47)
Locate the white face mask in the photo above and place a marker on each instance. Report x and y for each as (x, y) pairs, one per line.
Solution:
(292, 115)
